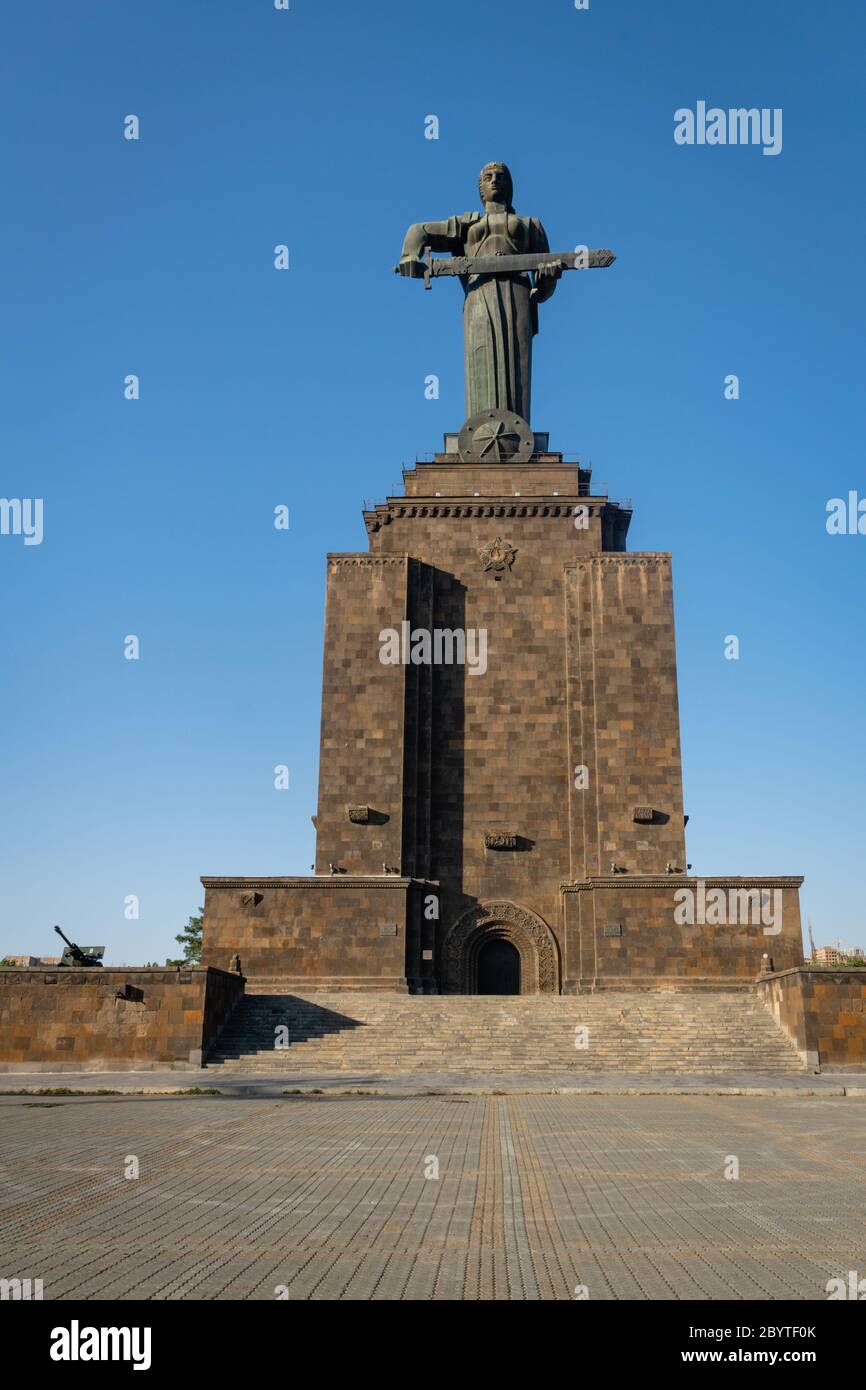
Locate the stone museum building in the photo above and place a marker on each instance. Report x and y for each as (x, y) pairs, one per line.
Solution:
(512, 826)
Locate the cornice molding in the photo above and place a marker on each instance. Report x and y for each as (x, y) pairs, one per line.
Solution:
(551, 459)
(648, 558)
(325, 881)
(588, 885)
(366, 561)
(458, 508)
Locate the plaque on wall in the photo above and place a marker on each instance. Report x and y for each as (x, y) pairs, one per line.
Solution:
(366, 815)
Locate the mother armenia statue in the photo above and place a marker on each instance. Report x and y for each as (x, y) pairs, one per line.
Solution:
(500, 309)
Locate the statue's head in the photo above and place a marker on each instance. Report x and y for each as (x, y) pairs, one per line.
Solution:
(495, 185)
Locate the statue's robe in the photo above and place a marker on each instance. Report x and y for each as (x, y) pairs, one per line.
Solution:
(500, 313)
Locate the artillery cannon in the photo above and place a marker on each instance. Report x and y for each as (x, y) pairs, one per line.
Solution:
(80, 955)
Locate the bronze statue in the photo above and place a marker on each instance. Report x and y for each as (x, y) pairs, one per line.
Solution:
(500, 310)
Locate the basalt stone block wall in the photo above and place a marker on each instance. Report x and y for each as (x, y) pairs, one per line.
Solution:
(623, 716)
(337, 932)
(371, 716)
(823, 1012)
(622, 933)
(223, 990)
(79, 1019)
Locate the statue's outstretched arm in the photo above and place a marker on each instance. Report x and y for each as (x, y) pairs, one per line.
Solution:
(439, 236)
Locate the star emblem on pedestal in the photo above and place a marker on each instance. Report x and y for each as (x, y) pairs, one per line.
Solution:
(495, 441)
(497, 554)
(496, 436)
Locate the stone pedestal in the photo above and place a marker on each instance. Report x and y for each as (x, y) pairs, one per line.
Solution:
(521, 749)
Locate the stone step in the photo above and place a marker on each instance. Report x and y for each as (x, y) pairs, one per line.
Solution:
(659, 1031)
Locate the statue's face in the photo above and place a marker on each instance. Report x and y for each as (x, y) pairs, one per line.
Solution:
(495, 185)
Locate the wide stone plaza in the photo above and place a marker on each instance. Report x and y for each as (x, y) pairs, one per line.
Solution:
(602, 1197)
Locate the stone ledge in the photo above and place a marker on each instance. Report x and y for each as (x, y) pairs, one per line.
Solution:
(258, 985)
(681, 880)
(163, 974)
(619, 557)
(658, 984)
(547, 458)
(97, 1066)
(364, 560)
(319, 881)
(832, 972)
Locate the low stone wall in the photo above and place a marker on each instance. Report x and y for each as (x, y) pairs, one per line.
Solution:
(113, 1019)
(338, 932)
(823, 1012)
(623, 932)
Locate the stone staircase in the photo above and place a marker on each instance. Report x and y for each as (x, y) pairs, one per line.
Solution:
(379, 1035)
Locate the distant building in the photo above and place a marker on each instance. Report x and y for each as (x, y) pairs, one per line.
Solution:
(23, 962)
(834, 955)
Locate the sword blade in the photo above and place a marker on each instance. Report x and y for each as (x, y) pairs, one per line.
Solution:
(509, 265)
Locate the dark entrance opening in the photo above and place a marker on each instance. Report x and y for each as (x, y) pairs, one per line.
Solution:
(499, 968)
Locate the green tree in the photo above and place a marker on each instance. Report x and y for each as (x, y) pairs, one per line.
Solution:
(190, 940)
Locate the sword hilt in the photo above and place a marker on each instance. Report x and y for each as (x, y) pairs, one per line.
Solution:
(426, 261)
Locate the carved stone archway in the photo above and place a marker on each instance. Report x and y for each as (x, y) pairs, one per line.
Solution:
(529, 933)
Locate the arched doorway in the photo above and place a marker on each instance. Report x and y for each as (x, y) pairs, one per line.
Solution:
(498, 967)
(520, 928)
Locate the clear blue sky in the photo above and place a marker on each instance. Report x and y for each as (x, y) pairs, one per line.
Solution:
(305, 388)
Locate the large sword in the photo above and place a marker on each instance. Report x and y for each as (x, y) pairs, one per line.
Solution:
(508, 265)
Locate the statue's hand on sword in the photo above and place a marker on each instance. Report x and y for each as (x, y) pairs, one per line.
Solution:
(551, 270)
(411, 267)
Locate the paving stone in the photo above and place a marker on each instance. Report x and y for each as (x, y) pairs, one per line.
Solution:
(536, 1195)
